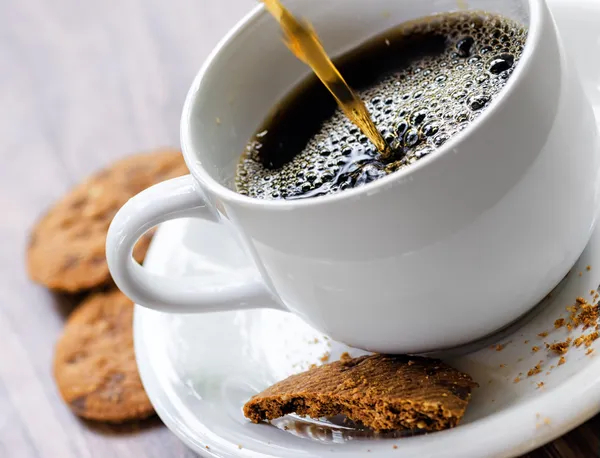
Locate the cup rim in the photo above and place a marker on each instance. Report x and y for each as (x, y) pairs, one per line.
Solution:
(374, 187)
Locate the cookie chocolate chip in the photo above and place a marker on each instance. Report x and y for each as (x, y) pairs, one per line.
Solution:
(94, 362)
(67, 246)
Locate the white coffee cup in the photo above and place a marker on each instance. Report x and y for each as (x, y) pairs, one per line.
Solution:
(446, 251)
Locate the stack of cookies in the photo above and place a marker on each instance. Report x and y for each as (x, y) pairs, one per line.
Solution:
(94, 362)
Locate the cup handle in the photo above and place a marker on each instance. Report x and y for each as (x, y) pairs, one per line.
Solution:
(171, 199)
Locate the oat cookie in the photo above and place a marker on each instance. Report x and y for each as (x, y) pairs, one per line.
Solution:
(381, 392)
(67, 246)
(94, 362)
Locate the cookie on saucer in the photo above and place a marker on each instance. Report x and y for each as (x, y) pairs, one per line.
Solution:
(381, 392)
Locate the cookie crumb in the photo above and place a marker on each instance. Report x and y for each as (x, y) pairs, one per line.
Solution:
(559, 323)
(526, 342)
(394, 447)
(344, 357)
(500, 347)
(589, 315)
(560, 348)
(578, 341)
(540, 384)
(517, 380)
(589, 351)
(535, 369)
(325, 357)
(502, 365)
(543, 334)
(588, 268)
(561, 361)
(535, 349)
(590, 338)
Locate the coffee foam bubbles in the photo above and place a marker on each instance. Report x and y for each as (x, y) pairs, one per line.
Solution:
(417, 109)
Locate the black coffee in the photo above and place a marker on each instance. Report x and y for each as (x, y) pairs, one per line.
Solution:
(422, 82)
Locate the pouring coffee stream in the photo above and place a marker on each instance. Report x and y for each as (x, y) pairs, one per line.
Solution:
(302, 40)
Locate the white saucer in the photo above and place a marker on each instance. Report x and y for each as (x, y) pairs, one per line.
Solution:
(200, 369)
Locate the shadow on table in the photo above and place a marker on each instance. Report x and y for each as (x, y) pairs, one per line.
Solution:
(65, 303)
(131, 427)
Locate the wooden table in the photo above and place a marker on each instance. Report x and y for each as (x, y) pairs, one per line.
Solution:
(82, 83)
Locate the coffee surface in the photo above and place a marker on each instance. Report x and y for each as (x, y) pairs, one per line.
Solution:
(422, 82)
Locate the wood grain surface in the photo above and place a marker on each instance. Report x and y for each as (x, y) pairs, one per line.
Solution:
(83, 83)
